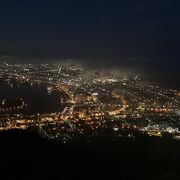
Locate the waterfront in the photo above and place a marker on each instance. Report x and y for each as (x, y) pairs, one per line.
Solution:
(35, 96)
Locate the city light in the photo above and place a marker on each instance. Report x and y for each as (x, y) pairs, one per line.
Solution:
(90, 103)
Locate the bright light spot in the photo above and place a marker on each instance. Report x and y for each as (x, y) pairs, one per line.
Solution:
(115, 129)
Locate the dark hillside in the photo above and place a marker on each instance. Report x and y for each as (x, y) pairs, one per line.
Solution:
(25, 155)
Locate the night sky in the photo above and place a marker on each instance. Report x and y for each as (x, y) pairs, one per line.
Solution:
(87, 28)
(143, 36)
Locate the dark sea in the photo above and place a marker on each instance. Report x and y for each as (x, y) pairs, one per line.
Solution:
(36, 96)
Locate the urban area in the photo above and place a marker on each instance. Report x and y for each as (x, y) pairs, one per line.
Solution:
(92, 103)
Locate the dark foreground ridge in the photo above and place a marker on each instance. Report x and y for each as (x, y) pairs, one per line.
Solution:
(25, 155)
